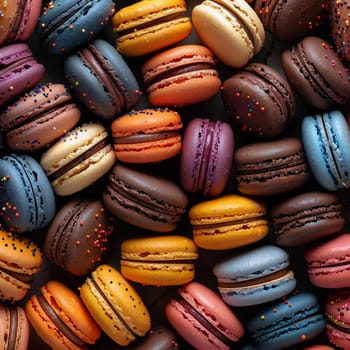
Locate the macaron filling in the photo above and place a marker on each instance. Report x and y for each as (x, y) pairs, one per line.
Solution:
(142, 137)
(12, 335)
(100, 66)
(13, 31)
(23, 277)
(51, 313)
(76, 161)
(203, 321)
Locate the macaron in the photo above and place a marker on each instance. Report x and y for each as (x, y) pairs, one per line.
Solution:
(206, 157)
(272, 167)
(158, 260)
(147, 135)
(287, 323)
(20, 71)
(181, 76)
(290, 21)
(158, 338)
(228, 27)
(326, 141)
(101, 80)
(20, 260)
(60, 318)
(147, 26)
(259, 100)
(314, 70)
(115, 305)
(66, 25)
(27, 199)
(339, 27)
(306, 217)
(255, 275)
(78, 159)
(228, 221)
(338, 317)
(143, 199)
(39, 117)
(200, 316)
(328, 262)
(18, 20)
(14, 327)
(79, 235)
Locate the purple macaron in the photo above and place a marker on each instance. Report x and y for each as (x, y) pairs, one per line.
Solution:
(19, 72)
(206, 158)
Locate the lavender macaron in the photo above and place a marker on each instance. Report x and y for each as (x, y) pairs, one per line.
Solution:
(207, 156)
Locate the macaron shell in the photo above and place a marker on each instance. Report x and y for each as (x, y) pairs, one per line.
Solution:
(328, 263)
(156, 35)
(8, 317)
(220, 215)
(147, 122)
(51, 125)
(230, 37)
(123, 303)
(210, 306)
(326, 140)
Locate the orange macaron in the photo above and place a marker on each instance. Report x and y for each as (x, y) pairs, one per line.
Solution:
(147, 135)
(159, 260)
(181, 76)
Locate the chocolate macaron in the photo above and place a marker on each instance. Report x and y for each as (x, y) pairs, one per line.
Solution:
(78, 236)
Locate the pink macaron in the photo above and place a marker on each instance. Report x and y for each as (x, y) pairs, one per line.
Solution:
(328, 262)
(201, 317)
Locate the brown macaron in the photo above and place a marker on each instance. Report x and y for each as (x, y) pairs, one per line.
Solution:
(271, 167)
(79, 235)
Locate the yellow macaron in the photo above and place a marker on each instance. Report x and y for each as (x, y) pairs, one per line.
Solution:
(228, 221)
(115, 305)
(147, 26)
(159, 260)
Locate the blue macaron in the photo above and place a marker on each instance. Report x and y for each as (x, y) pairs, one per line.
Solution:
(26, 196)
(287, 323)
(100, 78)
(65, 25)
(326, 140)
(254, 276)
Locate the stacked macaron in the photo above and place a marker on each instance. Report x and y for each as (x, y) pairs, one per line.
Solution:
(174, 174)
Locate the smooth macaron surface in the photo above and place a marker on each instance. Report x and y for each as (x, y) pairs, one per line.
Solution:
(206, 157)
(78, 159)
(287, 323)
(101, 80)
(181, 76)
(314, 70)
(203, 319)
(326, 141)
(20, 260)
(60, 318)
(159, 23)
(115, 305)
(18, 20)
(26, 194)
(228, 27)
(328, 262)
(259, 100)
(39, 117)
(14, 327)
(288, 21)
(270, 167)
(306, 217)
(147, 135)
(20, 71)
(228, 221)
(338, 317)
(254, 276)
(66, 25)
(79, 235)
(143, 199)
(158, 260)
